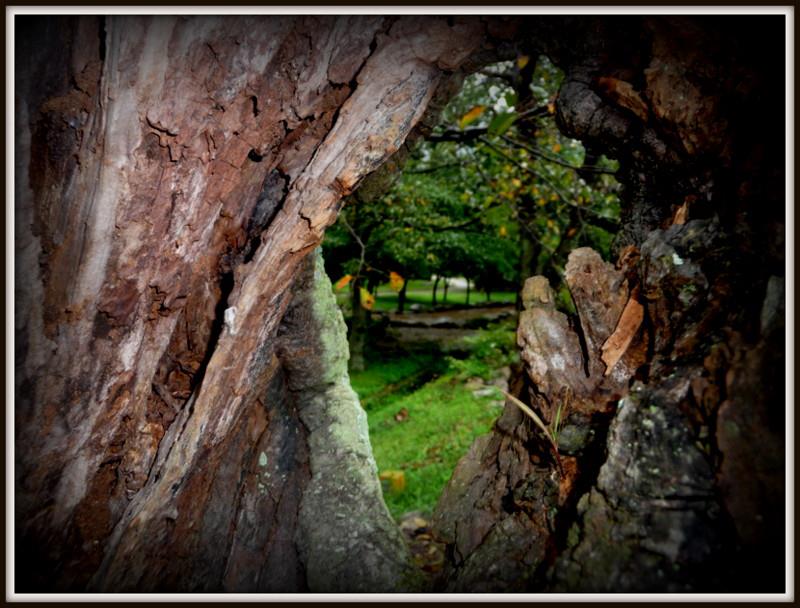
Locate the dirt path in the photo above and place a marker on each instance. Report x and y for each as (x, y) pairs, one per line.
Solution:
(460, 318)
(443, 330)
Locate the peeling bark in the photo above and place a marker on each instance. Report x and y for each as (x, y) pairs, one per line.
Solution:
(172, 175)
(660, 490)
(172, 414)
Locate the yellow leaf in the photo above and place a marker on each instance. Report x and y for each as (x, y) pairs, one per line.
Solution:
(367, 299)
(343, 281)
(554, 197)
(471, 116)
(541, 202)
(522, 61)
(516, 182)
(503, 231)
(551, 108)
(396, 281)
(396, 479)
(550, 223)
(556, 148)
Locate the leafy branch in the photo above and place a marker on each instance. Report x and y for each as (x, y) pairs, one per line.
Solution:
(600, 220)
(539, 153)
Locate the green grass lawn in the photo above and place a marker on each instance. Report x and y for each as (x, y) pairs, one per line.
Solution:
(440, 416)
(421, 292)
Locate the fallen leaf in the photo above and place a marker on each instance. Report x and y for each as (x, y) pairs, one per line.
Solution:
(395, 479)
(401, 415)
(618, 342)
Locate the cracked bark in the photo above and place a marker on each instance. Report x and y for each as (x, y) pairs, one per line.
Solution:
(155, 261)
(659, 494)
(151, 284)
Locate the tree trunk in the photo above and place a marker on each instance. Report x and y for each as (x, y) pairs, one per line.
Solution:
(401, 298)
(359, 326)
(675, 355)
(172, 175)
(183, 421)
(435, 285)
(444, 295)
(529, 248)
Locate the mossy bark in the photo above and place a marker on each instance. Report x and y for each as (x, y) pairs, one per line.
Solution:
(659, 493)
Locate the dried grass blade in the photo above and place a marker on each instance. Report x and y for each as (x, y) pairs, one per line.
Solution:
(529, 412)
(557, 421)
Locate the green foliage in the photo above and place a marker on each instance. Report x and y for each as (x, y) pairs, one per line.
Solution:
(439, 415)
(501, 122)
(490, 349)
(464, 203)
(386, 380)
(443, 419)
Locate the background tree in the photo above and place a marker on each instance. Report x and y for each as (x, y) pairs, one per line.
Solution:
(173, 425)
(494, 183)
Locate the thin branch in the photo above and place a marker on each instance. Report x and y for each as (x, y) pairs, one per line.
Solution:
(536, 239)
(457, 136)
(538, 152)
(433, 169)
(461, 225)
(604, 222)
(467, 135)
(534, 112)
(504, 77)
(360, 244)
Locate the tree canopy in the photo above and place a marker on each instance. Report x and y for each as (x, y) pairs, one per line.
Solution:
(495, 194)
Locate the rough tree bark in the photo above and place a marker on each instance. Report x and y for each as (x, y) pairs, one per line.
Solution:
(674, 457)
(172, 174)
(182, 420)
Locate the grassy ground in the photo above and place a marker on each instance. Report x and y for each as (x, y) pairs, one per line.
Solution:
(421, 292)
(423, 417)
